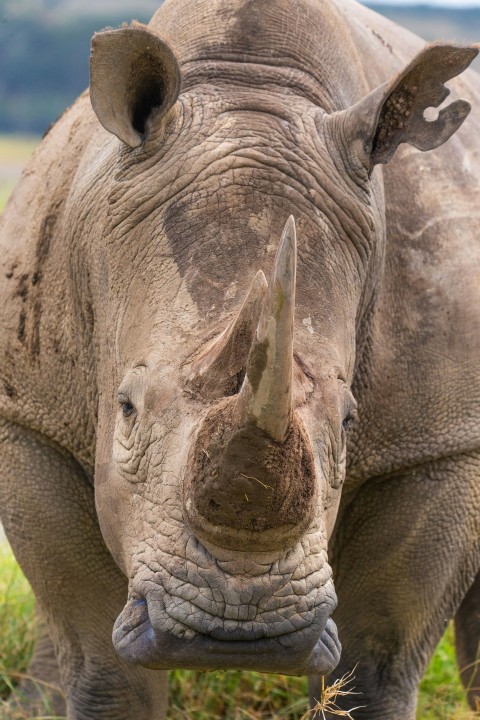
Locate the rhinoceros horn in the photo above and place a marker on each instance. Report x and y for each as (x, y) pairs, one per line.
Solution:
(216, 369)
(251, 466)
(266, 394)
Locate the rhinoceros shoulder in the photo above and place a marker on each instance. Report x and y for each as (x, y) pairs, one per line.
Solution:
(424, 382)
(37, 364)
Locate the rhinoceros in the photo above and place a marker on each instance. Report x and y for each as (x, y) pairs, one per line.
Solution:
(240, 328)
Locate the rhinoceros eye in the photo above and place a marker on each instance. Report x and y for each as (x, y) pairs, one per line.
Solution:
(127, 406)
(127, 409)
(348, 421)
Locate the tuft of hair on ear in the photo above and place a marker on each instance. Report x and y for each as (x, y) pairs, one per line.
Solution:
(134, 23)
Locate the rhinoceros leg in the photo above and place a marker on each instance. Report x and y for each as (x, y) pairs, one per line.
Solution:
(49, 516)
(405, 553)
(40, 692)
(467, 642)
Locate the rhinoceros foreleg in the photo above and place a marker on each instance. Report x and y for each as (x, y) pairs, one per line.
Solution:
(467, 642)
(49, 516)
(405, 552)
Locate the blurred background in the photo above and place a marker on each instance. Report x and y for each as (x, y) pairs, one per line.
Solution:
(44, 47)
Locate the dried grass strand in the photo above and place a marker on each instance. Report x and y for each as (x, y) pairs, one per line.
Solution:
(328, 699)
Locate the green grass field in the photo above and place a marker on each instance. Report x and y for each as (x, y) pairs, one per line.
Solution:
(204, 696)
(14, 153)
(194, 695)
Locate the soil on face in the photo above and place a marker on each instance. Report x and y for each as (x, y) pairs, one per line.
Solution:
(241, 478)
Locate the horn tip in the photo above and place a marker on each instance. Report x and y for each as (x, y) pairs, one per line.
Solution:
(287, 251)
(260, 280)
(289, 235)
(290, 225)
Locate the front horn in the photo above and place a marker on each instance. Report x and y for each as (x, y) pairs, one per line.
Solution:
(266, 395)
(250, 481)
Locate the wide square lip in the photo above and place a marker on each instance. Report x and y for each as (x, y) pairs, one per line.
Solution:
(313, 649)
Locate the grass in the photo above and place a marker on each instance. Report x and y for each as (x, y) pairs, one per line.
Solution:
(17, 608)
(235, 696)
(14, 153)
(442, 696)
(343, 687)
(195, 695)
(16, 149)
(228, 695)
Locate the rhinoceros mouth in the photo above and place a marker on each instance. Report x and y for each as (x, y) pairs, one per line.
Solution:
(313, 649)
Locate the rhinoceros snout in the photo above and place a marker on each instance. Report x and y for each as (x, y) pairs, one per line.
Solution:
(210, 613)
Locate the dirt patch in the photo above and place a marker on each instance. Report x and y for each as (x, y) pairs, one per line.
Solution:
(241, 478)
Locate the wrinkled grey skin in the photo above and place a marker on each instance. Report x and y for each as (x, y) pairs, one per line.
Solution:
(119, 265)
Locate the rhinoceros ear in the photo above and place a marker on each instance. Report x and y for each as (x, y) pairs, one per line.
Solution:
(134, 77)
(394, 112)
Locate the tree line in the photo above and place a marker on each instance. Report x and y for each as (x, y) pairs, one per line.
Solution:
(43, 67)
(44, 59)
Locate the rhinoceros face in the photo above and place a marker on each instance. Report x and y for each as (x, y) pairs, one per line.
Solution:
(222, 442)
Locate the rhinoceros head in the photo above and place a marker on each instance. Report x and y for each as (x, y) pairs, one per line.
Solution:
(225, 396)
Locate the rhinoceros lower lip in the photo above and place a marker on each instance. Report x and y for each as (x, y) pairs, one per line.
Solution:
(311, 650)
